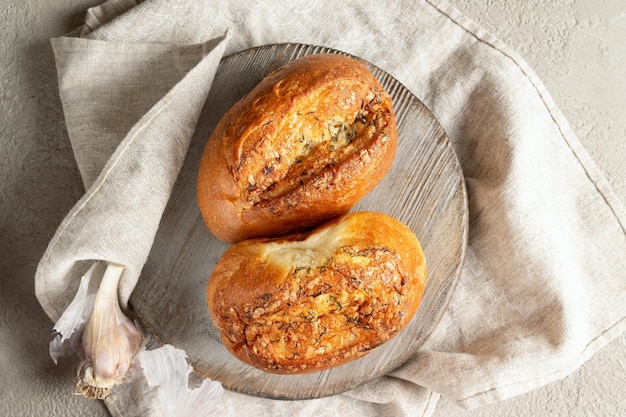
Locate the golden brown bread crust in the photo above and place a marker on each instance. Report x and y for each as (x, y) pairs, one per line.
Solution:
(298, 150)
(307, 302)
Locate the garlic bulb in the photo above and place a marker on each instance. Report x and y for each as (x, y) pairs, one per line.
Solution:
(107, 342)
(110, 340)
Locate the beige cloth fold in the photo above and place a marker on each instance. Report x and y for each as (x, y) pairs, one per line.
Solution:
(130, 111)
(542, 288)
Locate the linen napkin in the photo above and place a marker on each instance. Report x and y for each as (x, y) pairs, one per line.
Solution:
(542, 287)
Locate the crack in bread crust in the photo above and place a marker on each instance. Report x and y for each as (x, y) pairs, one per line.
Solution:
(328, 308)
(302, 144)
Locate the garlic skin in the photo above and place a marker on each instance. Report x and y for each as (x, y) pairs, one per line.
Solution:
(72, 322)
(166, 369)
(110, 340)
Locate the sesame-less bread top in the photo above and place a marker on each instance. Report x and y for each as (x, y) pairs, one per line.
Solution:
(301, 148)
(308, 302)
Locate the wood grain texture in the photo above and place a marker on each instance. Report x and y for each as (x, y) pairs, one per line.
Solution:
(424, 189)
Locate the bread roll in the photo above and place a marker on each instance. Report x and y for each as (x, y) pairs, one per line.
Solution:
(308, 302)
(301, 148)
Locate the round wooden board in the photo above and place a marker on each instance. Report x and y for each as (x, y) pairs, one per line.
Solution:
(424, 189)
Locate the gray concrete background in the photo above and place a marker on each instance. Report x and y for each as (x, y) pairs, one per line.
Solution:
(577, 47)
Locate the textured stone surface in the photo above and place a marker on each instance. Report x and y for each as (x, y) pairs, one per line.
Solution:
(576, 47)
(33, 141)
